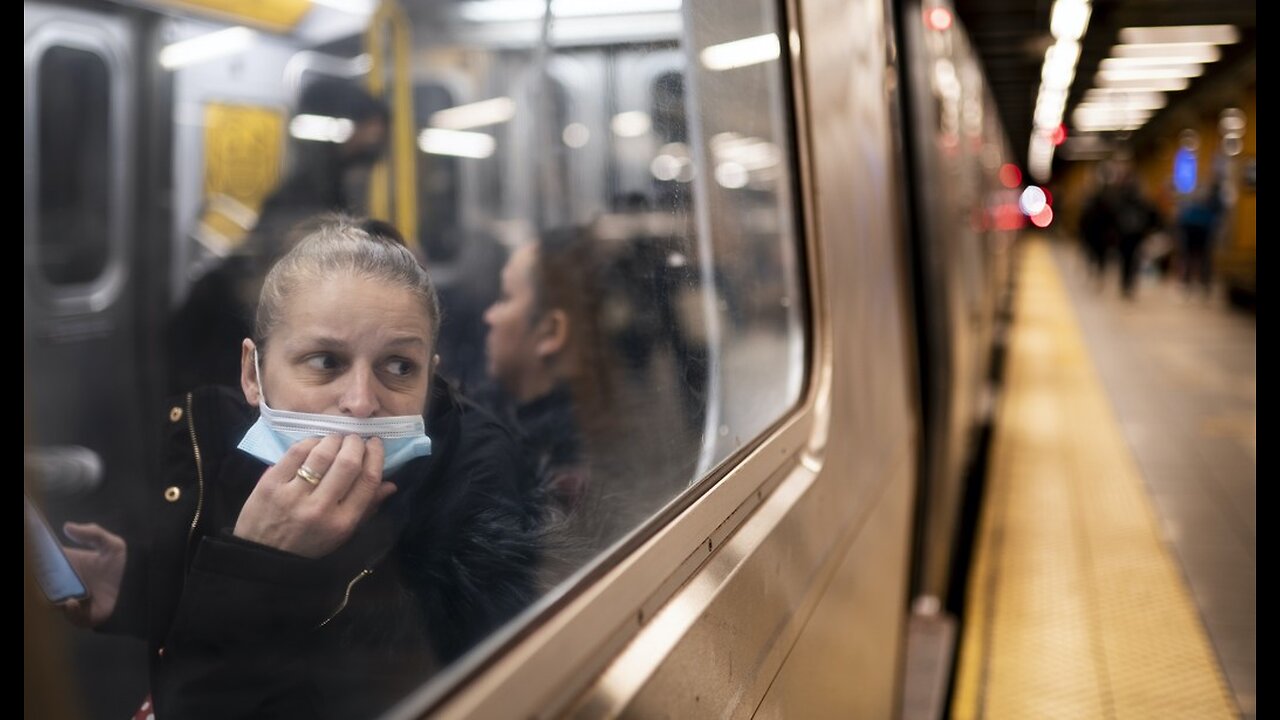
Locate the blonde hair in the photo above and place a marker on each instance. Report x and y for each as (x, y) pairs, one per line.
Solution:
(340, 245)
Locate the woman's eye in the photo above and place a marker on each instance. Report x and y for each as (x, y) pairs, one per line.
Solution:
(400, 368)
(322, 361)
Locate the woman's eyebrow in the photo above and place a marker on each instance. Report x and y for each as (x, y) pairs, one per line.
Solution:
(407, 340)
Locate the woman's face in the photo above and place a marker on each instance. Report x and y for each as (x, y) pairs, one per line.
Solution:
(349, 346)
(511, 344)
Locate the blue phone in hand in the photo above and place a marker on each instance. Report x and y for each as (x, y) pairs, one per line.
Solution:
(53, 570)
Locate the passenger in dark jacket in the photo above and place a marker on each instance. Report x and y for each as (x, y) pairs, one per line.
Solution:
(204, 333)
(332, 577)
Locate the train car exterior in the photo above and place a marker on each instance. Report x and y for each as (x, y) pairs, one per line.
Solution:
(796, 216)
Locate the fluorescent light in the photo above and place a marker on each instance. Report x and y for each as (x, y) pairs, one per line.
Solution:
(1190, 52)
(1069, 19)
(740, 53)
(494, 11)
(321, 128)
(631, 124)
(1048, 117)
(1086, 114)
(205, 47)
(473, 115)
(1129, 100)
(1144, 74)
(1112, 127)
(439, 141)
(1215, 34)
(1151, 84)
(1141, 65)
(1103, 118)
(1060, 65)
(1157, 55)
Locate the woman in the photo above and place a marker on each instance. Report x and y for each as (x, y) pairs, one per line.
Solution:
(315, 553)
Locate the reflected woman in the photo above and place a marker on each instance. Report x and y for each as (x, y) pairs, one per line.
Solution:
(337, 530)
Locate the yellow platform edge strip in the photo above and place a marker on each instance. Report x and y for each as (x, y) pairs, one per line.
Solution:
(1076, 607)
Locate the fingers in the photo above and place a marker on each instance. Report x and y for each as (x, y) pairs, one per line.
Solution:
(368, 491)
(285, 471)
(89, 535)
(341, 471)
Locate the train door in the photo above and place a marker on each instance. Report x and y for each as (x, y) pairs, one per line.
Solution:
(85, 275)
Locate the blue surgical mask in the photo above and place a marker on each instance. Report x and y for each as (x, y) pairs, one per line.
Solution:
(404, 437)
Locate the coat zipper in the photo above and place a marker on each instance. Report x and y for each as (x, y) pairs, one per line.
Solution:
(195, 449)
(346, 597)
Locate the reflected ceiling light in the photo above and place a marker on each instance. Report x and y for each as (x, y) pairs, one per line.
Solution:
(740, 53)
(321, 128)
(458, 143)
(731, 175)
(205, 47)
(352, 7)
(492, 11)
(752, 153)
(473, 115)
(1168, 72)
(1214, 34)
(1069, 19)
(630, 124)
(575, 135)
(665, 167)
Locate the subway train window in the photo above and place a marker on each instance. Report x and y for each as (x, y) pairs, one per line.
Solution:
(73, 116)
(437, 310)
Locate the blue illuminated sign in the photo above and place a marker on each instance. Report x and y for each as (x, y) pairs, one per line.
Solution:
(1184, 170)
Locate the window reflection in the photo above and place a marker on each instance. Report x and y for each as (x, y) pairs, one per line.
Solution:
(605, 213)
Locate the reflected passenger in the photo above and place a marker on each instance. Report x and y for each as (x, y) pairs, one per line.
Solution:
(219, 309)
(537, 329)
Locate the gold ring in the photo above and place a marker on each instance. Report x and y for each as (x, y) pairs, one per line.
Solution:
(311, 476)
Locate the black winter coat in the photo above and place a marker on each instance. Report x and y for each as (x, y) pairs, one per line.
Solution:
(237, 629)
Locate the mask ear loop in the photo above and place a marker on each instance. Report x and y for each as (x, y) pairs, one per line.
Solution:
(257, 370)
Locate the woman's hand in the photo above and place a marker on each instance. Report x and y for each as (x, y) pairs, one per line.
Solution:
(311, 501)
(100, 565)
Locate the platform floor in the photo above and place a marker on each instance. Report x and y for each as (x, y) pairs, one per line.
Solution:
(1115, 567)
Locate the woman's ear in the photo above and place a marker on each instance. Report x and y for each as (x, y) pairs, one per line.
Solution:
(553, 333)
(249, 382)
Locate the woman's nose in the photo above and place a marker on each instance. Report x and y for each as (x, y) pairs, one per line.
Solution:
(360, 396)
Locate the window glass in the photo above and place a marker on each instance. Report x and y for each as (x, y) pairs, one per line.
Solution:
(602, 201)
(73, 109)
